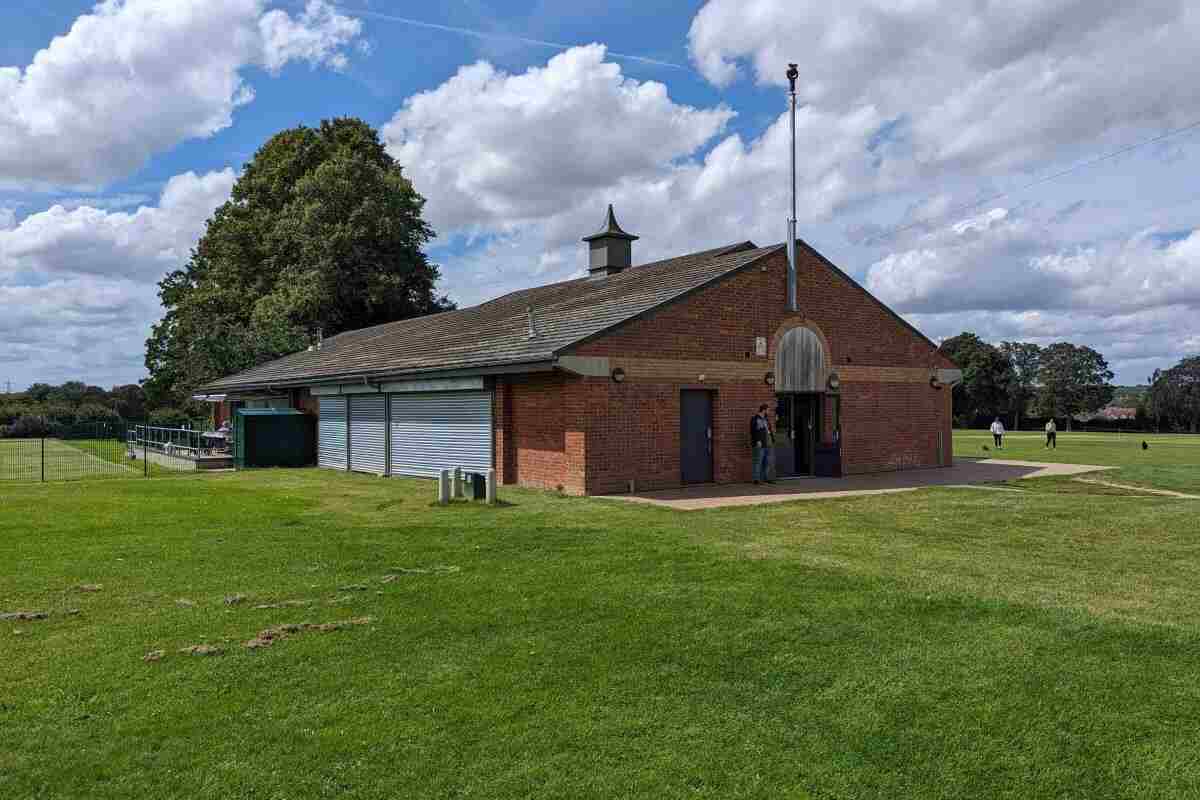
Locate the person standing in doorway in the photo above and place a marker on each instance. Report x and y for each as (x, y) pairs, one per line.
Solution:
(761, 437)
(998, 433)
(1051, 434)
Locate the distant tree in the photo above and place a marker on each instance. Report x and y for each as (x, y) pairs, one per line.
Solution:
(1024, 361)
(169, 418)
(30, 427)
(12, 411)
(322, 232)
(94, 412)
(1159, 403)
(96, 394)
(71, 393)
(1074, 380)
(1175, 394)
(130, 401)
(986, 376)
(60, 412)
(39, 392)
(1141, 417)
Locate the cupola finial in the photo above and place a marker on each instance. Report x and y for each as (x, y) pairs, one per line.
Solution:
(610, 249)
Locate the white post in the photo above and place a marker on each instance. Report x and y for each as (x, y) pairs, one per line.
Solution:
(444, 487)
(491, 487)
(456, 483)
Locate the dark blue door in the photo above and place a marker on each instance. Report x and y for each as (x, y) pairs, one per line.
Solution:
(695, 436)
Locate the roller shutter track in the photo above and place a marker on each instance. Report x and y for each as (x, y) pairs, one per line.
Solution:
(331, 433)
(432, 431)
(368, 433)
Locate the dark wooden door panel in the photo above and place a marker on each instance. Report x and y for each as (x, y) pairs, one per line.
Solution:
(695, 436)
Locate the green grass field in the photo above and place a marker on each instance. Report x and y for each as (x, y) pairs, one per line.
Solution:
(1038, 641)
(57, 460)
(1170, 462)
(82, 459)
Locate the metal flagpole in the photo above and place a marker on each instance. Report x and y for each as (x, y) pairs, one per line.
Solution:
(792, 74)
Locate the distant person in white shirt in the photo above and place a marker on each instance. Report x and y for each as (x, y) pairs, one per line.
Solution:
(998, 433)
(1051, 435)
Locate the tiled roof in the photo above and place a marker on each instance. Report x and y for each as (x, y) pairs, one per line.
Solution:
(496, 333)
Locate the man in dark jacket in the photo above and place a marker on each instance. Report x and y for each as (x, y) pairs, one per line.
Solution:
(761, 438)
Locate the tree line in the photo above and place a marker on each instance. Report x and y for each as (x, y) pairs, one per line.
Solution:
(1017, 381)
(44, 408)
(1173, 401)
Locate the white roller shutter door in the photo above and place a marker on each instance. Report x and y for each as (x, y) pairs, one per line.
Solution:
(368, 433)
(432, 431)
(331, 433)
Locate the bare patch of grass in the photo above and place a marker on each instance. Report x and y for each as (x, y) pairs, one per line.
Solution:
(268, 636)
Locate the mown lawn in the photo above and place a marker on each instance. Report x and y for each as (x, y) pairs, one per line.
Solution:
(1171, 461)
(946, 643)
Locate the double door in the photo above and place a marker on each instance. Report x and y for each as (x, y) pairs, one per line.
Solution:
(797, 429)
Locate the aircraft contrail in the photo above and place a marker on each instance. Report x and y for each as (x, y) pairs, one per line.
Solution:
(502, 36)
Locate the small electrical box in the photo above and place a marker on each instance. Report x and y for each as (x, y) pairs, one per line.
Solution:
(475, 486)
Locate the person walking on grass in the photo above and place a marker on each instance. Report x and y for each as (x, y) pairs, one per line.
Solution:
(1051, 435)
(998, 433)
(760, 440)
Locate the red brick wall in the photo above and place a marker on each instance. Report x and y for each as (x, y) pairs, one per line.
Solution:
(721, 321)
(887, 424)
(539, 431)
(633, 435)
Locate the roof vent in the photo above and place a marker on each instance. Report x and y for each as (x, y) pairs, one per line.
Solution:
(610, 249)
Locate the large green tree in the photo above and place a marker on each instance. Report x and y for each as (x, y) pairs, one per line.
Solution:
(1175, 395)
(322, 233)
(1024, 361)
(986, 376)
(1073, 380)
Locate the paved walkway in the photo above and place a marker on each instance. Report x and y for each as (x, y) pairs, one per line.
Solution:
(1144, 489)
(965, 472)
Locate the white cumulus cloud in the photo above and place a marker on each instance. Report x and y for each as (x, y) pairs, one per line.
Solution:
(492, 148)
(527, 162)
(318, 36)
(136, 77)
(1004, 261)
(995, 84)
(145, 243)
(79, 286)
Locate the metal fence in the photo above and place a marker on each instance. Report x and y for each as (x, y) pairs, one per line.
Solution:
(100, 450)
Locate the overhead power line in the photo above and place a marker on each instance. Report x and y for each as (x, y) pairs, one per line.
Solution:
(1037, 182)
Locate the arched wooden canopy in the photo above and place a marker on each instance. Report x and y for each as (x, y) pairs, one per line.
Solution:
(800, 363)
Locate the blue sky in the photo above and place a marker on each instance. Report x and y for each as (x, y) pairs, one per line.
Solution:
(119, 138)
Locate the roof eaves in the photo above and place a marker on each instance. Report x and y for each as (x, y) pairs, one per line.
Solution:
(481, 368)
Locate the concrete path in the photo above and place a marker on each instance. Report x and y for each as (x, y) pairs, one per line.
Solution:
(965, 472)
(1143, 489)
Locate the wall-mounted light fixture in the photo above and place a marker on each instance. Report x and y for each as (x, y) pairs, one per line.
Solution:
(769, 379)
(618, 375)
(834, 383)
(702, 377)
(934, 382)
